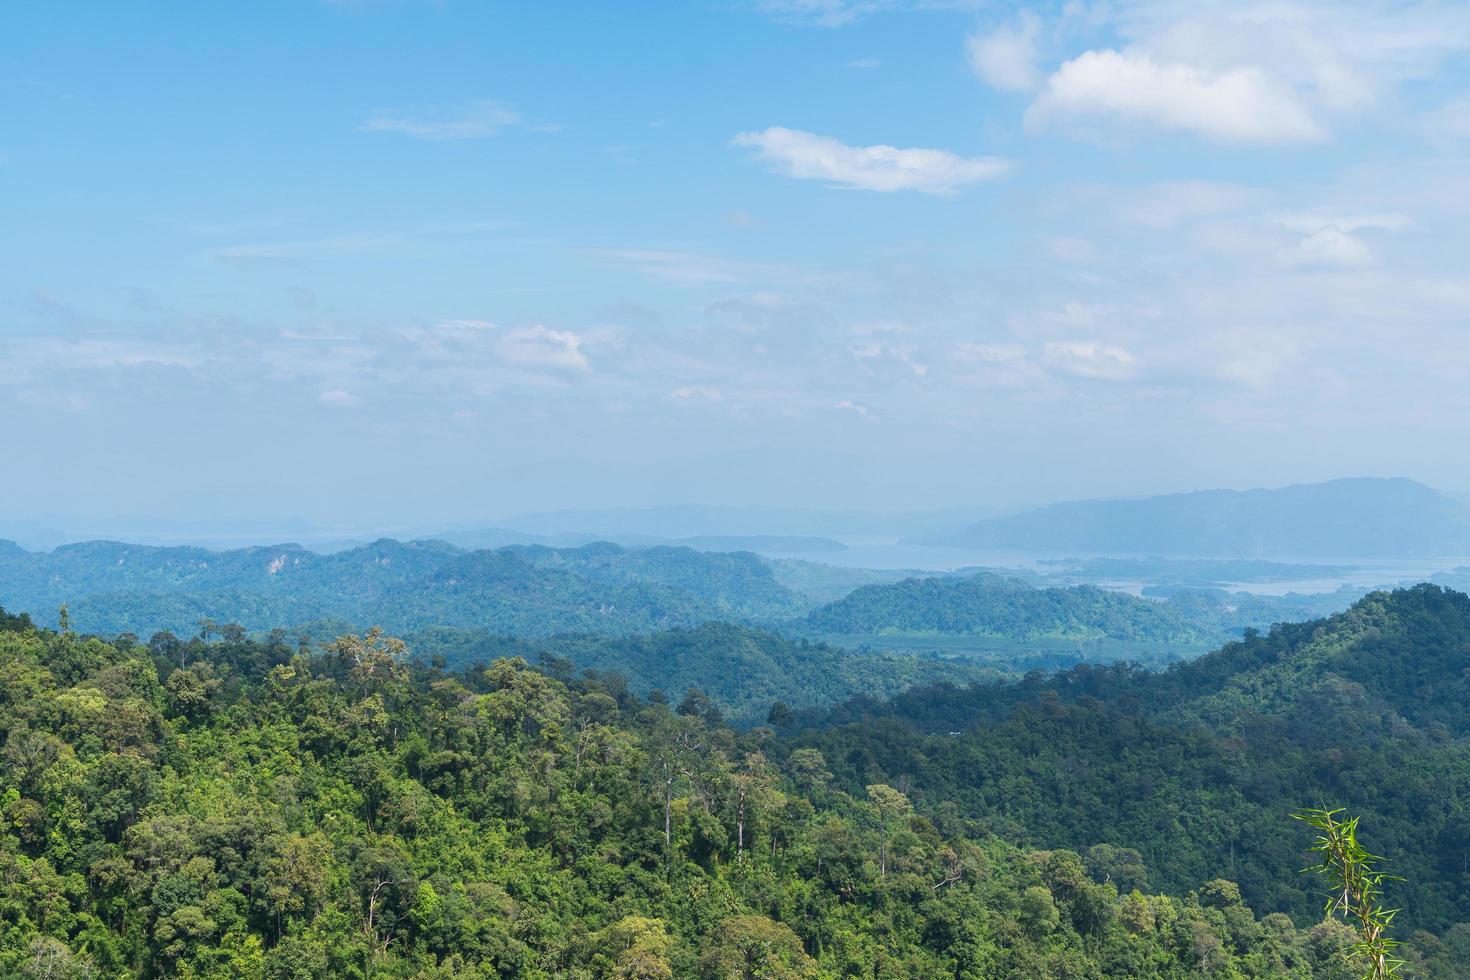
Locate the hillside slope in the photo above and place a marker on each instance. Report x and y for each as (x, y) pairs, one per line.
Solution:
(994, 605)
(1368, 709)
(265, 813)
(743, 671)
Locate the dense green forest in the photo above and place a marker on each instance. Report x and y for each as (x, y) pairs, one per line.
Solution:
(246, 808)
(1020, 623)
(741, 669)
(994, 605)
(1192, 766)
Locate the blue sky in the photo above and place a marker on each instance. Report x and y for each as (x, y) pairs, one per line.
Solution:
(393, 260)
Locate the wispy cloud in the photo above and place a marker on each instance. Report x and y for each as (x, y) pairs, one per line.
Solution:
(292, 253)
(1006, 58)
(696, 393)
(807, 156)
(337, 398)
(1088, 359)
(824, 13)
(468, 121)
(690, 269)
(839, 13)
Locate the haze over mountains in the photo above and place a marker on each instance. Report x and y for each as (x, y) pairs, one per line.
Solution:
(1358, 518)
(521, 586)
(847, 679)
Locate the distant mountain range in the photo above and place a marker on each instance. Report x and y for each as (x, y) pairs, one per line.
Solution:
(603, 589)
(522, 590)
(1352, 518)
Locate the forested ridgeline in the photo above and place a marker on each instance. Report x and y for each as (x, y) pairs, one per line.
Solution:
(518, 590)
(986, 603)
(1175, 622)
(245, 808)
(1193, 766)
(535, 592)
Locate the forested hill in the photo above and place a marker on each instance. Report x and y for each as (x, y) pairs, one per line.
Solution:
(1193, 766)
(521, 590)
(1363, 518)
(988, 604)
(742, 671)
(245, 809)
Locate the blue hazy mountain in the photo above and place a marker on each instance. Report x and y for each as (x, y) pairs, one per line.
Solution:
(1362, 518)
(522, 590)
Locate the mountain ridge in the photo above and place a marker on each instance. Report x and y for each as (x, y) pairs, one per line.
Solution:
(1359, 517)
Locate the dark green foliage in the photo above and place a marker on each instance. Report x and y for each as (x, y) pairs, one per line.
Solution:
(1195, 766)
(741, 669)
(248, 809)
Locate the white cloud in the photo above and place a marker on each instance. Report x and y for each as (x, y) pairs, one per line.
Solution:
(847, 405)
(880, 350)
(882, 168)
(1234, 71)
(1333, 242)
(1237, 105)
(538, 346)
(473, 120)
(1329, 247)
(1086, 359)
(338, 398)
(1006, 58)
